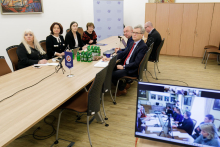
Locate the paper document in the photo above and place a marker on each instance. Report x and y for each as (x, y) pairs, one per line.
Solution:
(176, 133)
(154, 129)
(183, 135)
(101, 64)
(47, 64)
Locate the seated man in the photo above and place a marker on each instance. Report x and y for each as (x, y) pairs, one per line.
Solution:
(153, 36)
(140, 122)
(129, 60)
(187, 123)
(169, 111)
(128, 34)
(208, 119)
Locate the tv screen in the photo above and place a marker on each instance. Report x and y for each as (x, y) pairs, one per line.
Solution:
(178, 115)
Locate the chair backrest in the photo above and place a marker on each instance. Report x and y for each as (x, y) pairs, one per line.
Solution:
(13, 56)
(158, 50)
(67, 30)
(94, 93)
(108, 79)
(80, 30)
(43, 45)
(143, 63)
(4, 66)
(194, 123)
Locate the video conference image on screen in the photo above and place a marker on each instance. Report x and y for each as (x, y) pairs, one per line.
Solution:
(178, 114)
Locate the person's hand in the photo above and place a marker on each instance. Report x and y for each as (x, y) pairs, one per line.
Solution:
(117, 49)
(68, 50)
(105, 59)
(44, 61)
(174, 126)
(120, 67)
(197, 129)
(84, 47)
(58, 54)
(62, 54)
(163, 112)
(91, 41)
(176, 122)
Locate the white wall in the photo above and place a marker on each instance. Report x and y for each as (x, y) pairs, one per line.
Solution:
(64, 12)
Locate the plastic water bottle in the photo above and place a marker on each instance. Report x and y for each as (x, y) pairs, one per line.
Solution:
(78, 56)
(82, 56)
(73, 54)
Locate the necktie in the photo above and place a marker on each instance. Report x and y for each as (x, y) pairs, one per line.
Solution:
(129, 53)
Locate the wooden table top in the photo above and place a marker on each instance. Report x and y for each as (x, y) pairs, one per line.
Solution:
(23, 110)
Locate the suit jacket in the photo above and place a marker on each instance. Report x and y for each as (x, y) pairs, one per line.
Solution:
(53, 46)
(186, 125)
(25, 59)
(135, 59)
(155, 37)
(128, 43)
(70, 40)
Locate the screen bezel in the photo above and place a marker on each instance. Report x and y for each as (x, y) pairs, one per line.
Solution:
(157, 139)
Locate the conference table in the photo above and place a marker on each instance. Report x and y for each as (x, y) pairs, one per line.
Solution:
(161, 129)
(26, 108)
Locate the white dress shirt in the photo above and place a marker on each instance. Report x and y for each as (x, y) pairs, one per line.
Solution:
(136, 43)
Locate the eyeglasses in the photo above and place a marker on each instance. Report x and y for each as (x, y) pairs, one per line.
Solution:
(136, 33)
(146, 27)
(28, 34)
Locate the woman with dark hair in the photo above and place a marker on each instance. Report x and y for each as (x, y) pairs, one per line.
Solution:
(89, 36)
(208, 135)
(73, 38)
(55, 42)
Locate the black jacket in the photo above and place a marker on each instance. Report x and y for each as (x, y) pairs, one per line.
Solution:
(69, 40)
(53, 46)
(155, 37)
(135, 59)
(186, 125)
(25, 59)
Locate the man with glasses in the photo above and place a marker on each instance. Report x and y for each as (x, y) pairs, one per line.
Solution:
(153, 36)
(128, 34)
(129, 60)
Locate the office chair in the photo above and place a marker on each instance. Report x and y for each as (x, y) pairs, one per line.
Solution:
(4, 66)
(194, 123)
(80, 30)
(43, 45)
(86, 102)
(207, 48)
(108, 82)
(13, 56)
(157, 57)
(142, 65)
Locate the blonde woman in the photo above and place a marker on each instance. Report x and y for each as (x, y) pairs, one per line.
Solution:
(29, 51)
(208, 135)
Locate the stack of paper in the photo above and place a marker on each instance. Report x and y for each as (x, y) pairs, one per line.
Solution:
(101, 64)
(154, 129)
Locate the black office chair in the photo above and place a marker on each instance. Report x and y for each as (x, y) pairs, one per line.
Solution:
(142, 65)
(108, 82)
(86, 102)
(157, 57)
(4, 66)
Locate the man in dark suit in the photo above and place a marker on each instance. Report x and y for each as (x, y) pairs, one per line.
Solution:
(130, 60)
(153, 36)
(128, 34)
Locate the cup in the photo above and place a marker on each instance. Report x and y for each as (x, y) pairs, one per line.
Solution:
(108, 55)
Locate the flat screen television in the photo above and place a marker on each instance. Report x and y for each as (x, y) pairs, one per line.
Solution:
(172, 114)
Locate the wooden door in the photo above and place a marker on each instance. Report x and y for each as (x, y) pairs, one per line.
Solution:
(150, 14)
(215, 29)
(203, 28)
(174, 29)
(188, 29)
(162, 19)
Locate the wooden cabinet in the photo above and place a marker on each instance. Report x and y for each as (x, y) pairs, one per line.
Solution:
(174, 29)
(151, 15)
(188, 29)
(215, 29)
(203, 27)
(162, 22)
